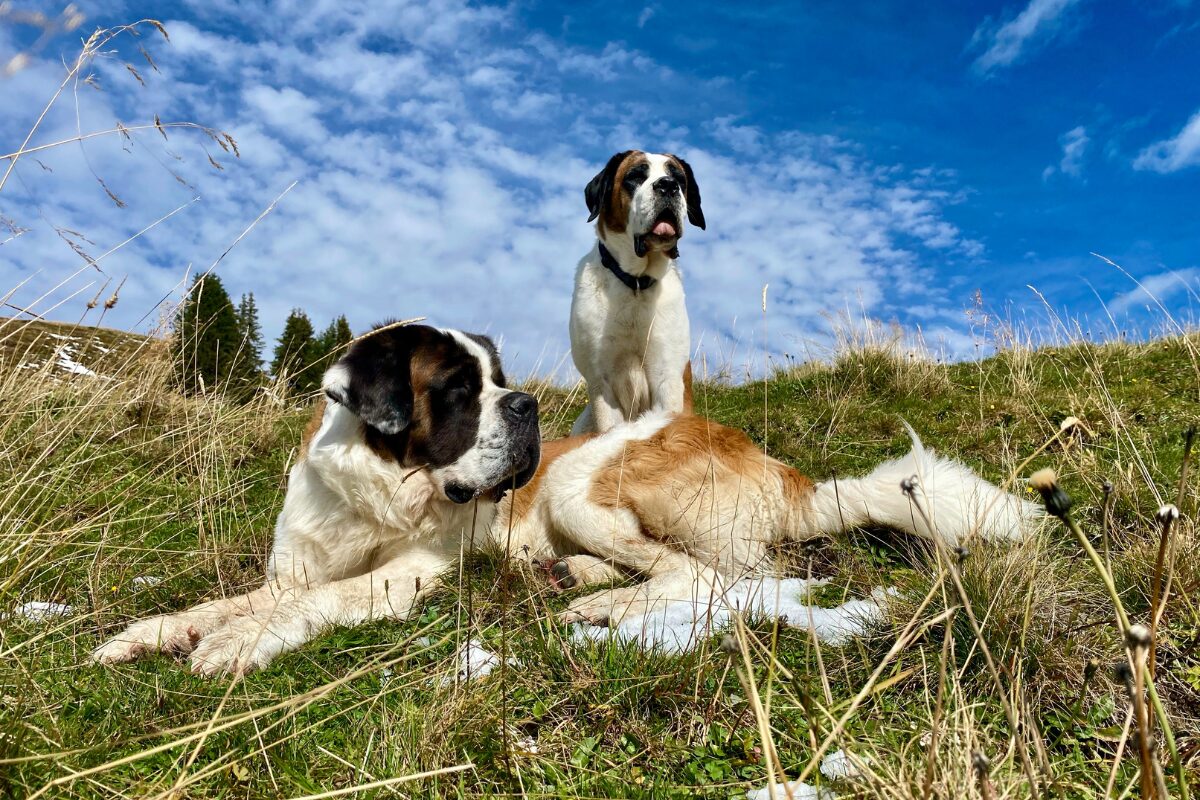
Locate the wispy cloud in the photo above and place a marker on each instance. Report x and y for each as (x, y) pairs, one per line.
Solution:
(1075, 144)
(1178, 152)
(645, 16)
(443, 180)
(1157, 289)
(1007, 43)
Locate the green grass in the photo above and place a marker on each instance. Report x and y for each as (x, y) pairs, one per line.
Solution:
(105, 481)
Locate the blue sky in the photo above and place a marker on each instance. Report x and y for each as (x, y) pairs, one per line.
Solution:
(884, 159)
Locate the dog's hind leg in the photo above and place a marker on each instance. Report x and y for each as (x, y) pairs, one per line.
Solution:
(614, 536)
(611, 606)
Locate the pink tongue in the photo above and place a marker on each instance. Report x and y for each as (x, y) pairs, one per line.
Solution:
(664, 229)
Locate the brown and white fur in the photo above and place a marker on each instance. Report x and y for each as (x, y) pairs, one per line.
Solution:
(416, 424)
(419, 439)
(631, 345)
(691, 506)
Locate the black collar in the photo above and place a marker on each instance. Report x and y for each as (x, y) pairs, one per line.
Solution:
(637, 283)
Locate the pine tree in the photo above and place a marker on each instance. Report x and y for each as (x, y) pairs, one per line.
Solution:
(331, 344)
(208, 349)
(250, 329)
(295, 354)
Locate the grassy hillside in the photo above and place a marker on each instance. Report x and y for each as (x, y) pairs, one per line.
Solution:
(66, 349)
(119, 499)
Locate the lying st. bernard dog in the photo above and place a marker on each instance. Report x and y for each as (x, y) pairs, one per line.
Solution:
(629, 325)
(418, 423)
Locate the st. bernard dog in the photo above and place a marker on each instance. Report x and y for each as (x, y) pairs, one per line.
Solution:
(630, 338)
(419, 439)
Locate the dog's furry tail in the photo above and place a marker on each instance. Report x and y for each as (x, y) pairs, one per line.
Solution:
(924, 494)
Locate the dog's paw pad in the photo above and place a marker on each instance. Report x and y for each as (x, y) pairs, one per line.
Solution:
(561, 577)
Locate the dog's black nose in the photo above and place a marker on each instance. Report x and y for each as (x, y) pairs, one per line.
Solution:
(519, 406)
(667, 185)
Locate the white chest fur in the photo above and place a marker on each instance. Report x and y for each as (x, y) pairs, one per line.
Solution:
(630, 346)
(348, 510)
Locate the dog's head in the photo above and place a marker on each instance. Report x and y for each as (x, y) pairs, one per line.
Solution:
(645, 196)
(437, 399)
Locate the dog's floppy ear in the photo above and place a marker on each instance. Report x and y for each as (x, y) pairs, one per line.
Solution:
(695, 212)
(373, 381)
(599, 189)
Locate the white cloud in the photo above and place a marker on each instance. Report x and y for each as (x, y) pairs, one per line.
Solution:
(1170, 155)
(645, 16)
(442, 176)
(1155, 289)
(1075, 144)
(286, 112)
(1006, 44)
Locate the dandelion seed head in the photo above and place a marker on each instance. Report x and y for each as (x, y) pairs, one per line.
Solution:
(1138, 636)
(1044, 479)
(1167, 513)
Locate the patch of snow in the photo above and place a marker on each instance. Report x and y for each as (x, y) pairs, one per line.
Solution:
(38, 610)
(475, 661)
(838, 765)
(61, 337)
(792, 790)
(68, 364)
(678, 625)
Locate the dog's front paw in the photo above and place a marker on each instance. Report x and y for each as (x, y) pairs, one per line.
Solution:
(170, 633)
(245, 644)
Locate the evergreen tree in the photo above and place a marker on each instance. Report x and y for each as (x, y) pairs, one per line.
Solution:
(250, 329)
(295, 354)
(331, 344)
(209, 354)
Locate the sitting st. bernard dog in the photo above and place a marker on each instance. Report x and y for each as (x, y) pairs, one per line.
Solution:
(629, 325)
(419, 439)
